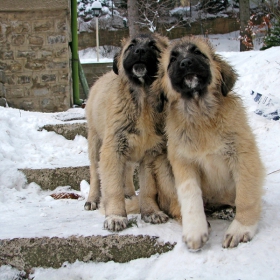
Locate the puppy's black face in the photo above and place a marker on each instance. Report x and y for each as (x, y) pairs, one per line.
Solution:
(189, 70)
(141, 60)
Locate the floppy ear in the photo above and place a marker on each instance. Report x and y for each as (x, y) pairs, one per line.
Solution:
(228, 74)
(115, 64)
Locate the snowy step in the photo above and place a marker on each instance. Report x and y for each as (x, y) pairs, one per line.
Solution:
(68, 130)
(26, 253)
(50, 179)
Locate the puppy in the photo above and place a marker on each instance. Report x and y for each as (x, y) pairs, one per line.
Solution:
(124, 128)
(211, 148)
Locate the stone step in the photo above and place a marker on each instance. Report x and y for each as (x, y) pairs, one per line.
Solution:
(49, 179)
(26, 253)
(68, 130)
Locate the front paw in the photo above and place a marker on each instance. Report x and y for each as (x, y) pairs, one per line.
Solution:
(115, 223)
(196, 235)
(237, 233)
(90, 206)
(155, 218)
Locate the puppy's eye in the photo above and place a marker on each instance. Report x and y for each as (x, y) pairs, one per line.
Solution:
(198, 52)
(130, 46)
(153, 47)
(172, 59)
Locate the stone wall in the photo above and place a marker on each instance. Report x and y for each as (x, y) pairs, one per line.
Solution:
(113, 38)
(35, 54)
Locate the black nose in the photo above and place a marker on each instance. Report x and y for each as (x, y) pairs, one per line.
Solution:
(140, 51)
(187, 62)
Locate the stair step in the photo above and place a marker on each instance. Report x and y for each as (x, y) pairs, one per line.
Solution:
(26, 253)
(68, 130)
(50, 179)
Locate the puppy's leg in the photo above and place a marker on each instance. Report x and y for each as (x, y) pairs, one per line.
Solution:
(94, 192)
(131, 200)
(249, 176)
(195, 226)
(112, 176)
(149, 208)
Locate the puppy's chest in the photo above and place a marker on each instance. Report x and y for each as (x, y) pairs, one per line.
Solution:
(150, 129)
(199, 142)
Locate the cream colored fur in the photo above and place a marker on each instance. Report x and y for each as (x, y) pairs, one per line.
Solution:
(122, 132)
(213, 153)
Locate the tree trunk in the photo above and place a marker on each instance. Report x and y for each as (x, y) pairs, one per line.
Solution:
(244, 9)
(133, 17)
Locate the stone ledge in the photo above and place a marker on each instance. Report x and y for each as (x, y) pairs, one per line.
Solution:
(26, 253)
(49, 179)
(69, 130)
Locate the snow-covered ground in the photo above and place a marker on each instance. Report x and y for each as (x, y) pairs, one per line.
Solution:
(27, 211)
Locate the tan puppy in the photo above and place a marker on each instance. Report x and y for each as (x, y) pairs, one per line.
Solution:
(211, 147)
(125, 127)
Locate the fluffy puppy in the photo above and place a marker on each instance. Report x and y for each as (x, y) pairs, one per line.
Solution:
(125, 127)
(211, 148)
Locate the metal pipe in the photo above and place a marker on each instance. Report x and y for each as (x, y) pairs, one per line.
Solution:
(83, 80)
(75, 56)
(97, 39)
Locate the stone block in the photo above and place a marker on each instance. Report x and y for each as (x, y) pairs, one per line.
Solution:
(18, 39)
(24, 103)
(64, 76)
(58, 89)
(11, 79)
(26, 54)
(45, 53)
(3, 102)
(2, 77)
(48, 78)
(21, 27)
(62, 52)
(14, 66)
(36, 40)
(61, 25)
(53, 105)
(57, 65)
(2, 90)
(41, 26)
(56, 39)
(6, 55)
(15, 92)
(36, 64)
(24, 80)
(42, 91)
(28, 105)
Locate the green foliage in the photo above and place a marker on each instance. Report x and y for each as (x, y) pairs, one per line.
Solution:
(272, 39)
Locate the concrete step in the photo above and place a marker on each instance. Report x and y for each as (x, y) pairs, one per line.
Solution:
(68, 130)
(49, 179)
(26, 253)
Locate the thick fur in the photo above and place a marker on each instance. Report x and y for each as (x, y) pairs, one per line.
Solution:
(125, 127)
(211, 148)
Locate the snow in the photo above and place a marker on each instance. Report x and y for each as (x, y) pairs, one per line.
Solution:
(28, 211)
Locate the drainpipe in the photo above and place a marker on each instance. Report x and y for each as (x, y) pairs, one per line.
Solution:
(75, 56)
